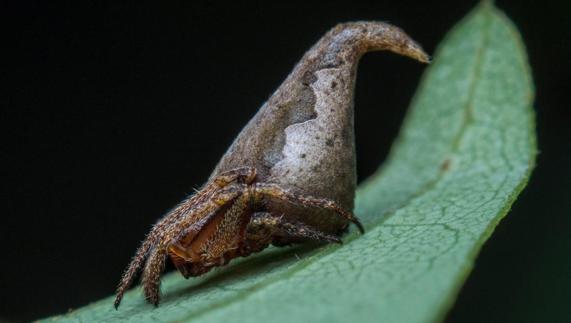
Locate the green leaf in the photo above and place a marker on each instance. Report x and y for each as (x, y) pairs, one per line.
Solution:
(465, 152)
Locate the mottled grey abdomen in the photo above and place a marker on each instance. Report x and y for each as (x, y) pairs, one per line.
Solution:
(303, 137)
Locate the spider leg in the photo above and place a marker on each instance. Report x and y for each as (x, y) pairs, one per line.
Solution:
(277, 192)
(151, 277)
(141, 254)
(266, 226)
(298, 230)
(188, 226)
(186, 213)
(216, 243)
(152, 274)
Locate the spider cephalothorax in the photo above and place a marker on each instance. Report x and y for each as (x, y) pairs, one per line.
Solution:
(289, 176)
(232, 216)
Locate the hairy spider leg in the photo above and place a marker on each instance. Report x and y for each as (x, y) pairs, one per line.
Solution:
(298, 230)
(199, 247)
(185, 210)
(268, 227)
(181, 211)
(276, 192)
(219, 244)
(150, 240)
(157, 256)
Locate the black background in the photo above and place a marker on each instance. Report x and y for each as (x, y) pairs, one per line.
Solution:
(111, 112)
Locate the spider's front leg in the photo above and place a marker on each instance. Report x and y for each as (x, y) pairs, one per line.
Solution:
(188, 218)
(190, 227)
(217, 242)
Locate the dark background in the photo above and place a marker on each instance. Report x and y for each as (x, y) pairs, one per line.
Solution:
(111, 112)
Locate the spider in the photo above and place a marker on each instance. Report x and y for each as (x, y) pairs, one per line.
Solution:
(301, 140)
(233, 215)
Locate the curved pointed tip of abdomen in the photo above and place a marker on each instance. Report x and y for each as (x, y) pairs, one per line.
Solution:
(360, 37)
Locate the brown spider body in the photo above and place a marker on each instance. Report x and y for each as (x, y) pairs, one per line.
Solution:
(232, 216)
(289, 176)
(243, 217)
